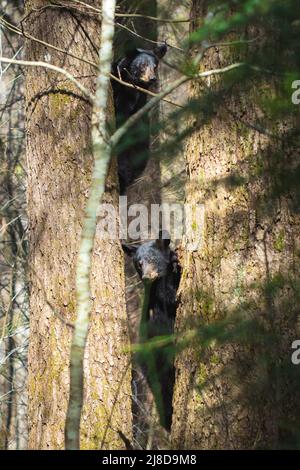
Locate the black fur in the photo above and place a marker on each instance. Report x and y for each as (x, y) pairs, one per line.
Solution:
(138, 67)
(155, 262)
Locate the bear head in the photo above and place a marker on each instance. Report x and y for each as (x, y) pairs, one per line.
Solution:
(151, 259)
(140, 65)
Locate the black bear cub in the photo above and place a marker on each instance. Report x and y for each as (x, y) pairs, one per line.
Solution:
(158, 265)
(139, 68)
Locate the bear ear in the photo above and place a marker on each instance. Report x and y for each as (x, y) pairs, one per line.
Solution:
(130, 250)
(160, 51)
(130, 51)
(164, 240)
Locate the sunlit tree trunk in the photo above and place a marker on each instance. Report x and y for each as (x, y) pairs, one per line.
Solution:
(59, 168)
(239, 393)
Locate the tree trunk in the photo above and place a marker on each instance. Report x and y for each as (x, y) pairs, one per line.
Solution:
(59, 168)
(239, 392)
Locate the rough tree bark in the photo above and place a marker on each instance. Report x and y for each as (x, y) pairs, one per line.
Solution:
(239, 394)
(59, 168)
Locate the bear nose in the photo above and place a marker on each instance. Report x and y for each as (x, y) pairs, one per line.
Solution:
(153, 80)
(149, 276)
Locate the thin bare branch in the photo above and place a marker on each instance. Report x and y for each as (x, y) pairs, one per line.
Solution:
(136, 15)
(115, 138)
(82, 59)
(46, 65)
(122, 26)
